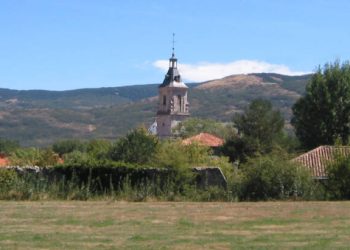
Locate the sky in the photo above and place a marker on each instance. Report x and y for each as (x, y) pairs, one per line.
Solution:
(71, 44)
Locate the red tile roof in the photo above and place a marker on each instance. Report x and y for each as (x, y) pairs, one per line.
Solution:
(3, 161)
(317, 159)
(204, 139)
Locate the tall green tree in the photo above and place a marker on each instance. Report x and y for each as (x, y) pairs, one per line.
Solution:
(322, 116)
(258, 129)
(260, 121)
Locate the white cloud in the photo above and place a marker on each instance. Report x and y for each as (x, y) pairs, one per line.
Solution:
(208, 71)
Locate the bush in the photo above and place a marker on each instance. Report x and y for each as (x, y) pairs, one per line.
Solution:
(338, 183)
(98, 149)
(34, 157)
(68, 146)
(8, 179)
(136, 147)
(273, 176)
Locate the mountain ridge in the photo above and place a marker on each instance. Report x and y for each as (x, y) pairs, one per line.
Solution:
(40, 117)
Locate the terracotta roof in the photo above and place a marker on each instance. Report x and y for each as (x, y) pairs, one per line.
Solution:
(3, 161)
(316, 160)
(204, 139)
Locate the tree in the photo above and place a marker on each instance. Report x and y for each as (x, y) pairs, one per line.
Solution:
(239, 149)
(338, 172)
(136, 147)
(258, 129)
(322, 116)
(261, 122)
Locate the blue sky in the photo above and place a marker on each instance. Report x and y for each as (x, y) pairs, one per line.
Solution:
(69, 44)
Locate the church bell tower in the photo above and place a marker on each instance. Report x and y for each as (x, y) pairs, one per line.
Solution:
(172, 101)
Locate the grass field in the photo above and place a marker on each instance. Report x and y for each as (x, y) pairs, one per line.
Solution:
(174, 225)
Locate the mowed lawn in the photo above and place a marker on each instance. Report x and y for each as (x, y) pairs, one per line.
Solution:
(174, 225)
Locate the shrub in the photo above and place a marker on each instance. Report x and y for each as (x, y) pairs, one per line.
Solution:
(8, 179)
(273, 176)
(136, 147)
(68, 146)
(338, 183)
(98, 149)
(77, 158)
(33, 157)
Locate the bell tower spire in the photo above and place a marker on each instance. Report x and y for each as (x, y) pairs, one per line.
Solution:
(173, 104)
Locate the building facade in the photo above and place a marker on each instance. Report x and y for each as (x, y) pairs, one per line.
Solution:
(173, 106)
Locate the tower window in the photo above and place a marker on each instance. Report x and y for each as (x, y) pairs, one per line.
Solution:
(164, 100)
(180, 103)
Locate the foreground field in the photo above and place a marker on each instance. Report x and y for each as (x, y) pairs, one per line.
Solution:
(165, 225)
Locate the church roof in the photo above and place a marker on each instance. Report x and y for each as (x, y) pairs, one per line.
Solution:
(173, 77)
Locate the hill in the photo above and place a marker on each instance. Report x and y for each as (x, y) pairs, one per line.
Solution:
(39, 117)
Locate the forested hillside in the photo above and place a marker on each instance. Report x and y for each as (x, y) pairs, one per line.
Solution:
(39, 117)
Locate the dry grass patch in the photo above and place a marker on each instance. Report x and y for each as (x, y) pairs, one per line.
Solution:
(177, 225)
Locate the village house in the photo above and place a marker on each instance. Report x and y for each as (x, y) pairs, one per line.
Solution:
(204, 139)
(317, 159)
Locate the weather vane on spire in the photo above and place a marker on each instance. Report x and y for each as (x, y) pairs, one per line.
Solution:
(173, 44)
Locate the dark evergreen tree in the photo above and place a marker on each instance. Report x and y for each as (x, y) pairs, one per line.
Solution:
(258, 129)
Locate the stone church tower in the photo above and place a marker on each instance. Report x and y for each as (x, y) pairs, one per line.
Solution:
(173, 104)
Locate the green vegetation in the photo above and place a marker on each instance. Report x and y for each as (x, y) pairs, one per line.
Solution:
(255, 161)
(68, 146)
(33, 157)
(338, 182)
(137, 166)
(136, 147)
(260, 122)
(176, 225)
(273, 176)
(259, 128)
(322, 116)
